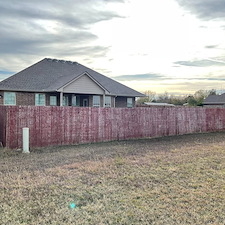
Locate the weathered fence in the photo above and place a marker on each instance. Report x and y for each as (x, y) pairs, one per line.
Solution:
(55, 125)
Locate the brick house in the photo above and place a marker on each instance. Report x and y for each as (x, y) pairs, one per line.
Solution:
(214, 101)
(53, 82)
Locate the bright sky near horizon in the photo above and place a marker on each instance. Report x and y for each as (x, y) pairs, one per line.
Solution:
(176, 46)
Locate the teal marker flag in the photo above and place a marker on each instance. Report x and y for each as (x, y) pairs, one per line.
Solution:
(72, 205)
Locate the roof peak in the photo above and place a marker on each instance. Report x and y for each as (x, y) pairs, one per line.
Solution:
(61, 61)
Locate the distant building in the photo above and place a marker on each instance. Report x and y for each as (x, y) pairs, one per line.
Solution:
(215, 101)
(158, 104)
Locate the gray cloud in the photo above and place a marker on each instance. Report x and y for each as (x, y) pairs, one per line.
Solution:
(5, 74)
(175, 85)
(35, 43)
(147, 76)
(55, 28)
(207, 79)
(158, 77)
(68, 12)
(191, 87)
(200, 63)
(211, 46)
(85, 51)
(205, 9)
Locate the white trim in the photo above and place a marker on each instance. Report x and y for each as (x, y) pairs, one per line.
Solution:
(103, 101)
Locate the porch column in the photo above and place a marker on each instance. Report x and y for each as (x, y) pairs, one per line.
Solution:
(61, 99)
(103, 101)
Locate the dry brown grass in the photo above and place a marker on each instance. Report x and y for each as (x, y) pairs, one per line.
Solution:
(171, 180)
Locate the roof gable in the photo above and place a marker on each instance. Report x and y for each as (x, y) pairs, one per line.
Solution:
(215, 99)
(49, 75)
(83, 84)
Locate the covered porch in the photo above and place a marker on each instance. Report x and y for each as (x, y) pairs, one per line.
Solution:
(86, 100)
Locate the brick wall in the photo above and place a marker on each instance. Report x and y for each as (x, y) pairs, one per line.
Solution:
(25, 98)
(1, 97)
(22, 98)
(121, 102)
(28, 98)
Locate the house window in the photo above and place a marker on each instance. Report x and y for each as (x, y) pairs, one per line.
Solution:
(96, 101)
(40, 99)
(9, 98)
(129, 102)
(65, 100)
(107, 101)
(75, 100)
(53, 100)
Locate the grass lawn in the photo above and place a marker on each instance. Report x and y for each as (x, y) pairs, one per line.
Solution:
(169, 180)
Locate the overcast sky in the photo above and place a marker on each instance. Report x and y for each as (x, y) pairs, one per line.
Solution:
(176, 46)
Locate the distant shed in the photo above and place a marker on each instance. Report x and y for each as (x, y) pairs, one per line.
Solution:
(215, 101)
(158, 104)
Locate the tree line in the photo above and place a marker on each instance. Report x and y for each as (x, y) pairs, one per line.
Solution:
(195, 99)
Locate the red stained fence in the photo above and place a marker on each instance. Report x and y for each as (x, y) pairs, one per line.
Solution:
(56, 125)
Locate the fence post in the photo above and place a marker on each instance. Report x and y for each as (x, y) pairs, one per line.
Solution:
(26, 140)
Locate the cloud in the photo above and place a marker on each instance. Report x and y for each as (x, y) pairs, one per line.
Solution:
(5, 74)
(211, 46)
(160, 78)
(53, 28)
(84, 51)
(42, 43)
(207, 79)
(200, 63)
(205, 9)
(69, 12)
(188, 85)
(147, 76)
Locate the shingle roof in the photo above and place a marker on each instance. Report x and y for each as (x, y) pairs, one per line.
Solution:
(49, 75)
(215, 99)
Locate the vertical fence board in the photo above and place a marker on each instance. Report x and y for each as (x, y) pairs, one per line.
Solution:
(71, 125)
(13, 134)
(3, 118)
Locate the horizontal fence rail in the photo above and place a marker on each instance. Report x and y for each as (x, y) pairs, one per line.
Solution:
(54, 125)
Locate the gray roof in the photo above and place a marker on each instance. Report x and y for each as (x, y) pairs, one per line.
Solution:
(49, 75)
(214, 99)
(158, 104)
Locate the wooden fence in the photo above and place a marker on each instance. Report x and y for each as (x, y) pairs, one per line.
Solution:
(50, 126)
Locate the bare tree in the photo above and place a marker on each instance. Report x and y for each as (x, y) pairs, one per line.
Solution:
(150, 95)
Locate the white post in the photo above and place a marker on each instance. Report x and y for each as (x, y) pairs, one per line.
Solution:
(103, 101)
(26, 140)
(61, 99)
